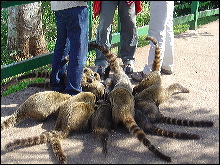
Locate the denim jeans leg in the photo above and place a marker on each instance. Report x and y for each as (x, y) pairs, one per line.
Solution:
(77, 27)
(61, 50)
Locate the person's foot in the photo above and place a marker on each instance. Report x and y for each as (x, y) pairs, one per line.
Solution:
(167, 72)
(128, 66)
(138, 76)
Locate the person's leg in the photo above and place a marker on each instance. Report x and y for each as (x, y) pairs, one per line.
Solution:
(157, 29)
(104, 28)
(129, 38)
(77, 30)
(168, 62)
(58, 68)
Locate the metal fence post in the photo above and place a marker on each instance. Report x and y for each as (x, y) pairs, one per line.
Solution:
(119, 30)
(89, 3)
(194, 10)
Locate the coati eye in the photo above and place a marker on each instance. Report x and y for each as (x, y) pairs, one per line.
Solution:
(95, 74)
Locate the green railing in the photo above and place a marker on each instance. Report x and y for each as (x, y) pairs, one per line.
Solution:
(44, 59)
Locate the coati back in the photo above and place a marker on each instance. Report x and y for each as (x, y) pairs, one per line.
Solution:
(155, 116)
(37, 107)
(75, 113)
(122, 100)
(158, 94)
(101, 121)
(73, 116)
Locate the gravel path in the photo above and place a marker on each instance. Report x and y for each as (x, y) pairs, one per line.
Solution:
(196, 67)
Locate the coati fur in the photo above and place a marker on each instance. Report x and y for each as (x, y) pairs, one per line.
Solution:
(143, 122)
(101, 123)
(158, 94)
(155, 116)
(88, 76)
(73, 116)
(91, 81)
(154, 77)
(37, 107)
(122, 101)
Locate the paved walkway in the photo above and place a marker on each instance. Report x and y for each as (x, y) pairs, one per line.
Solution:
(196, 67)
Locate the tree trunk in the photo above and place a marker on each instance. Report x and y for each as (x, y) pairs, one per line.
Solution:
(25, 33)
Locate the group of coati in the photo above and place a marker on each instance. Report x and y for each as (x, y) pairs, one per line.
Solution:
(102, 106)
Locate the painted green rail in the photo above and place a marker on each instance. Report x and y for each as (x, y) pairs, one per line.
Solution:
(44, 59)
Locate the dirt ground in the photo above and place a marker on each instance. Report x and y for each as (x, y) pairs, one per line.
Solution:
(196, 67)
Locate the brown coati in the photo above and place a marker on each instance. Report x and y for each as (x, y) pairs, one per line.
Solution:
(73, 116)
(154, 77)
(91, 81)
(37, 107)
(95, 87)
(146, 116)
(153, 114)
(158, 94)
(122, 101)
(88, 76)
(101, 121)
(144, 123)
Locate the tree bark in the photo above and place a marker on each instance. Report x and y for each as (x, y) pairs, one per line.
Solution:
(25, 33)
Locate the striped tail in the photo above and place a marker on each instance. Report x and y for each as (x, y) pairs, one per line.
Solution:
(170, 134)
(182, 122)
(103, 135)
(44, 74)
(156, 64)
(139, 133)
(147, 126)
(110, 57)
(45, 85)
(15, 118)
(30, 141)
(57, 149)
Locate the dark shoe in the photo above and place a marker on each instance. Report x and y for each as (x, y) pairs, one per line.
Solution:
(128, 66)
(167, 72)
(138, 76)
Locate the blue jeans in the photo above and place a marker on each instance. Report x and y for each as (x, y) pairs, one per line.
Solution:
(72, 38)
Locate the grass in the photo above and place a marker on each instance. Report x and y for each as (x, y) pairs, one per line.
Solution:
(91, 56)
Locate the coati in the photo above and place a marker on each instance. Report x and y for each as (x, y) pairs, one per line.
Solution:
(88, 76)
(147, 113)
(158, 94)
(122, 101)
(73, 116)
(91, 81)
(144, 123)
(101, 122)
(37, 107)
(154, 77)
(155, 116)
